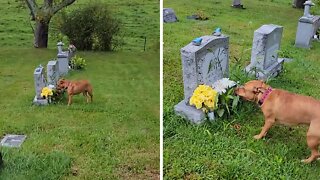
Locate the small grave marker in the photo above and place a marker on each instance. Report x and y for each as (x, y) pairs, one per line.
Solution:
(12, 140)
(264, 55)
(169, 15)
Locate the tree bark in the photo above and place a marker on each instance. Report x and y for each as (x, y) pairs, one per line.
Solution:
(298, 3)
(41, 34)
(42, 22)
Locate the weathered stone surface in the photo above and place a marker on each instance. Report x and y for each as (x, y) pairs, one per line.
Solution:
(189, 112)
(53, 73)
(40, 102)
(307, 28)
(39, 80)
(202, 64)
(63, 61)
(236, 2)
(12, 140)
(39, 83)
(264, 56)
(169, 15)
(206, 63)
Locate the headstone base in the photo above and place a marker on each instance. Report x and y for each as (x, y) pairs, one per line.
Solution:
(40, 102)
(273, 71)
(190, 113)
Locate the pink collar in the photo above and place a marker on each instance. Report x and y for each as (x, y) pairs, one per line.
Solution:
(265, 95)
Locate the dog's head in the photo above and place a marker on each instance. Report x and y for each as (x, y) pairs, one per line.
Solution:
(62, 84)
(251, 90)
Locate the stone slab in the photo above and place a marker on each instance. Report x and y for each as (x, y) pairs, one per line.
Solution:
(265, 45)
(39, 80)
(40, 101)
(53, 73)
(63, 61)
(271, 72)
(236, 2)
(307, 28)
(189, 112)
(169, 15)
(206, 63)
(12, 140)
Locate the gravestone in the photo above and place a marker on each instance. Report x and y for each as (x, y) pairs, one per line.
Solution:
(298, 3)
(237, 4)
(11, 140)
(307, 27)
(63, 60)
(169, 15)
(39, 83)
(53, 73)
(203, 64)
(264, 55)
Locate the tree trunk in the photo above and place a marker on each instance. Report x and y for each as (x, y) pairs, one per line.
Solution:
(41, 34)
(298, 3)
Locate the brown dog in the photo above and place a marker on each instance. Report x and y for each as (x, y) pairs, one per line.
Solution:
(283, 107)
(76, 87)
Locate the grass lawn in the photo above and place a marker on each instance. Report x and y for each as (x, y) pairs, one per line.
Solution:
(218, 150)
(115, 137)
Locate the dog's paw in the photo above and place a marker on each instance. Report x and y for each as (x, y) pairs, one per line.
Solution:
(305, 161)
(257, 137)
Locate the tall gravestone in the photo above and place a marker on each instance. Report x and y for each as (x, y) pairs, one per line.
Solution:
(203, 64)
(169, 15)
(63, 60)
(39, 84)
(53, 73)
(307, 27)
(264, 56)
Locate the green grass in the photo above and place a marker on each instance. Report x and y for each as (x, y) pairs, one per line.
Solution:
(116, 136)
(218, 150)
(138, 19)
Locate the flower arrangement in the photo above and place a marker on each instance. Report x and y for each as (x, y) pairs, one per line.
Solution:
(51, 94)
(219, 97)
(78, 63)
(204, 97)
(46, 92)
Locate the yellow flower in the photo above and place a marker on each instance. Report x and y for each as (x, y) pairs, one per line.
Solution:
(46, 92)
(203, 95)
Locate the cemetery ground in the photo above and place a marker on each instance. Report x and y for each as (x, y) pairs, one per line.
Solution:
(116, 136)
(225, 149)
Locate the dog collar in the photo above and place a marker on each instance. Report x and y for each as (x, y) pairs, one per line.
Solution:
(265, 95)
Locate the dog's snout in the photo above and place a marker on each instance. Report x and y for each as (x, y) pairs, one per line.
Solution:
(237, 89)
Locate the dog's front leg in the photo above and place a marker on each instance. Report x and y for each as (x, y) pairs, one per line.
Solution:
(267, 125)
(69, 100)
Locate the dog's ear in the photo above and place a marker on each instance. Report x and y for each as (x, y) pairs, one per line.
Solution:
(257, 90)
(62, 80)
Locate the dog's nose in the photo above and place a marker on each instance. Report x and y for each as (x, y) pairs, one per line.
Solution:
(236, 90)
